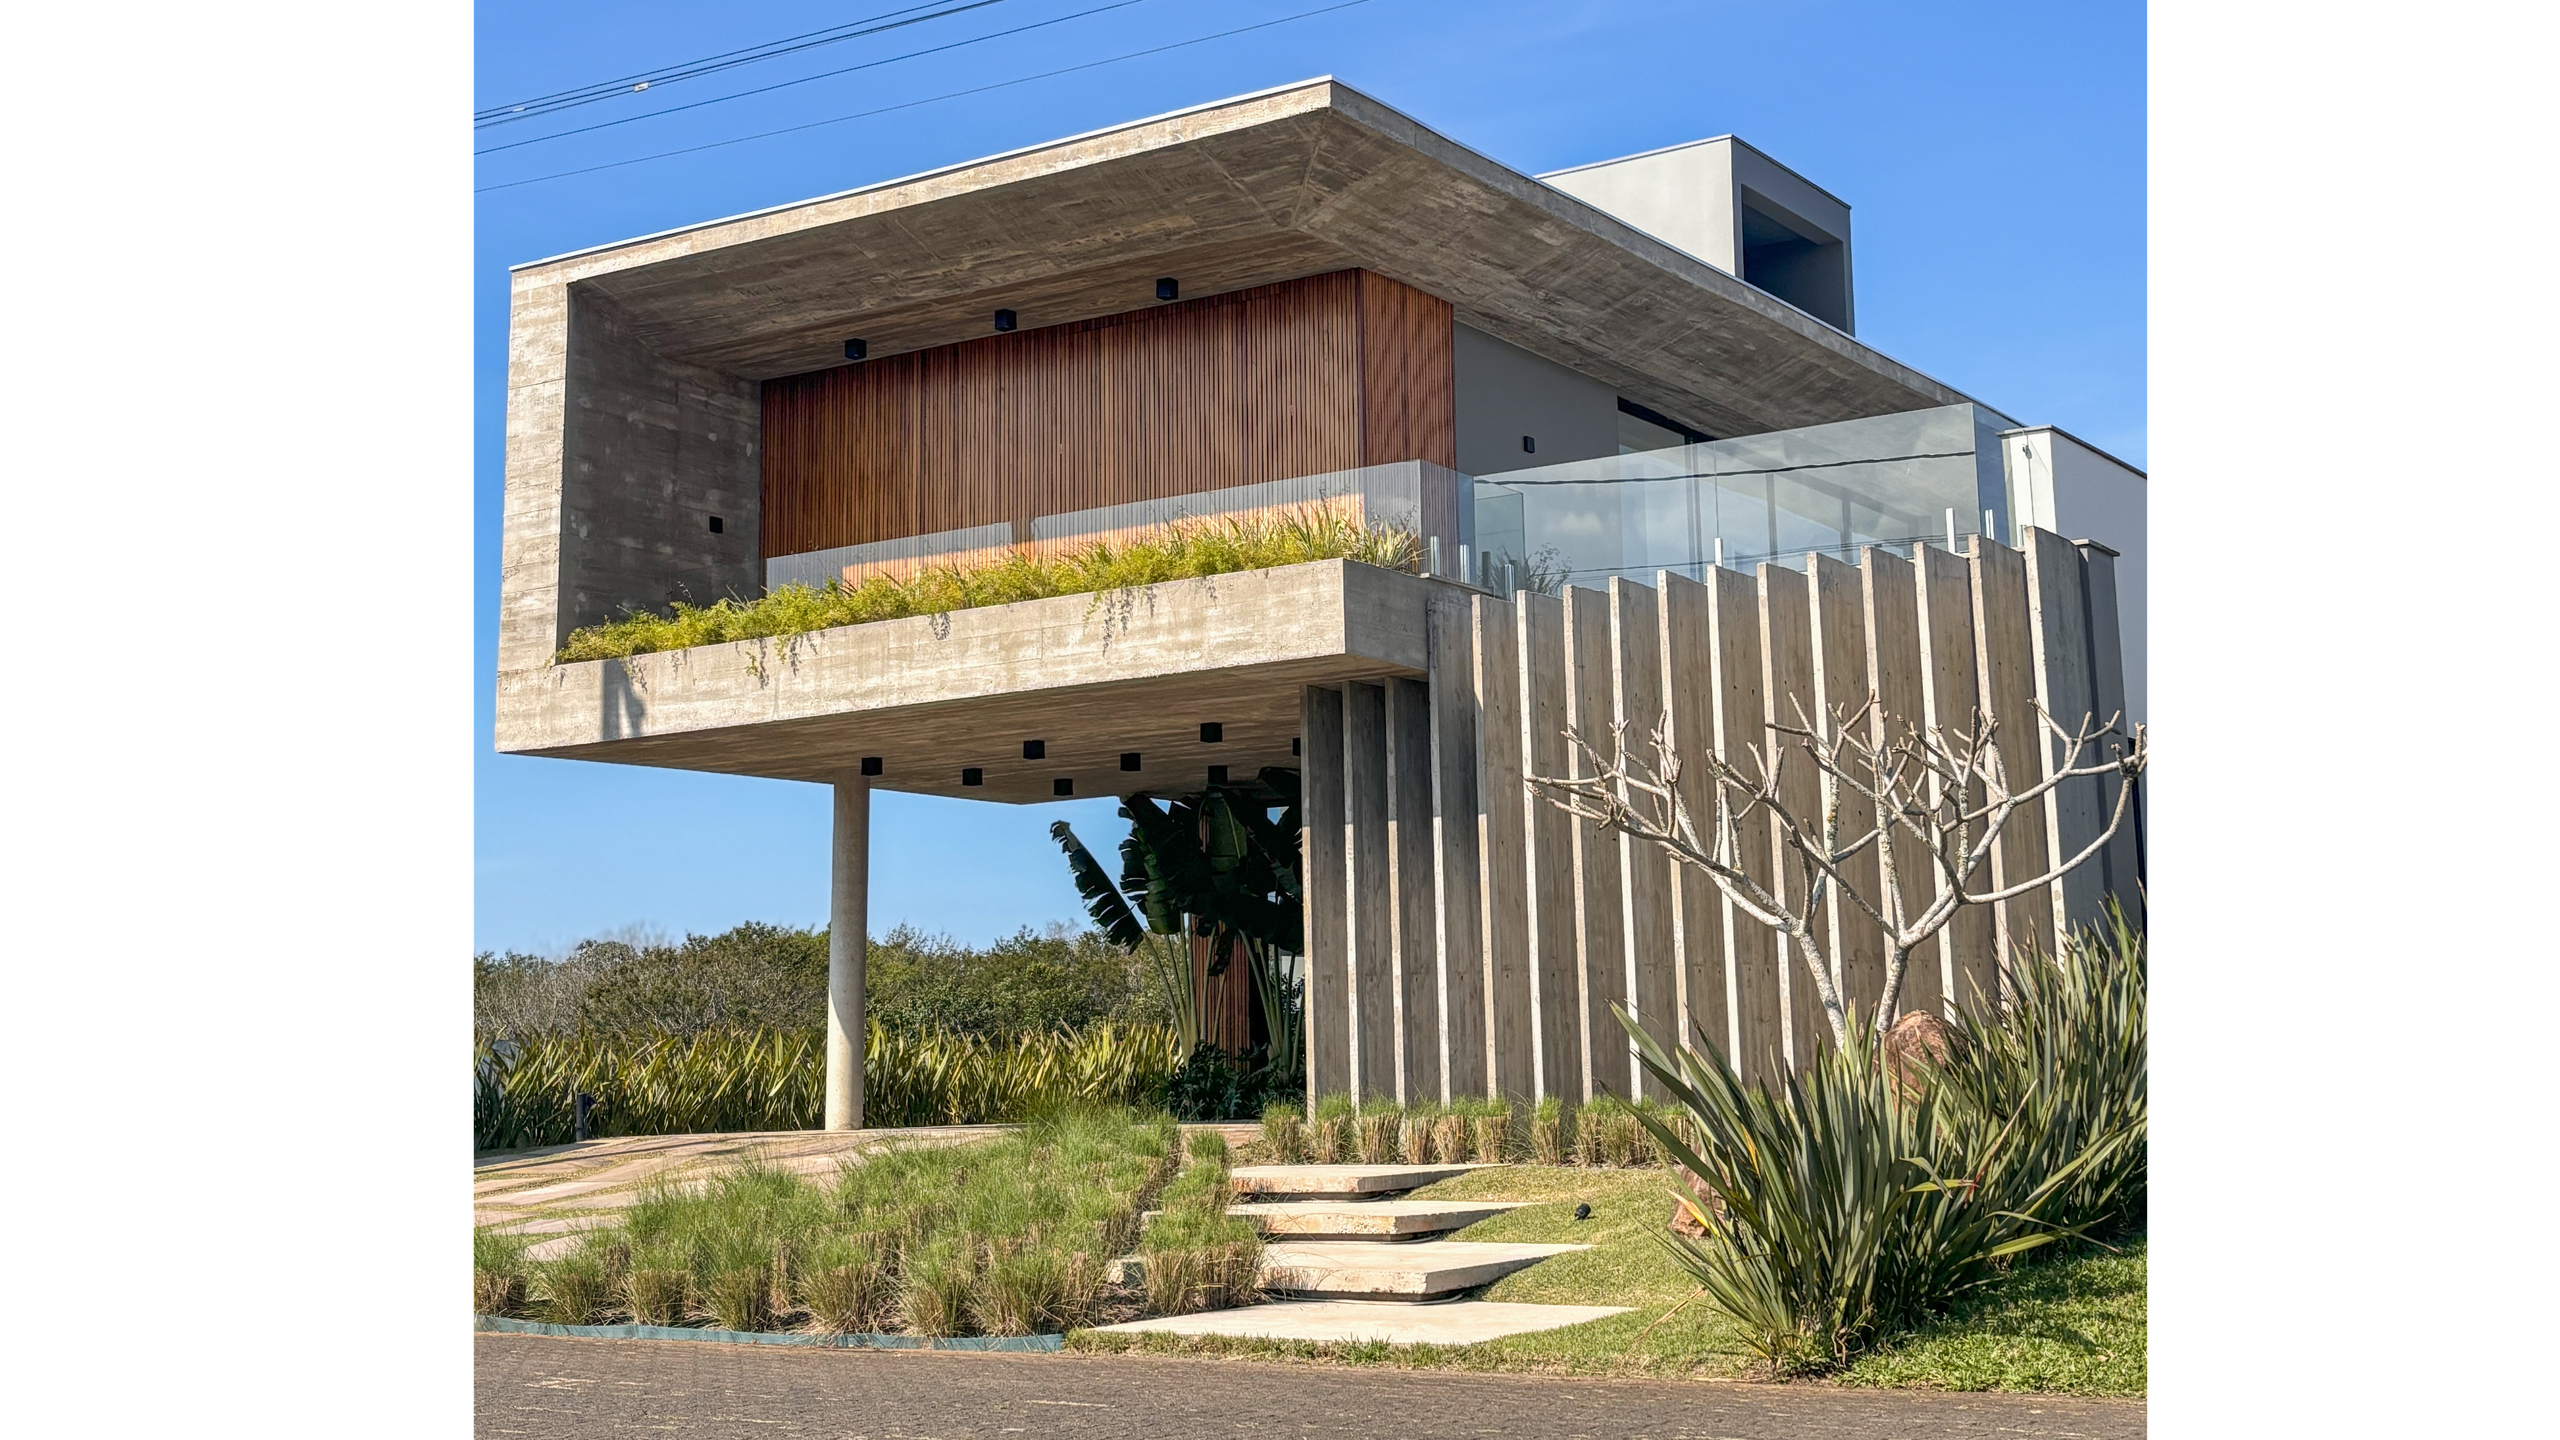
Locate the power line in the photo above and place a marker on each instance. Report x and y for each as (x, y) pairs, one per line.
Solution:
(727, 59)
(928, 100)
(805, 79)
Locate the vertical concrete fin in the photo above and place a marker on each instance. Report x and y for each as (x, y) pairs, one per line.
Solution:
(1951, 697)
(1367, 904)
(2058, 604)
(1755, 989)
(1548, 853)
(1787, 690)
(1456, 819)
(1502, 849)
(1703, 1013)
(1893, 676)
(1840, 688)
(2004, 664)
(1599, 920)
(2122, 862)
(1644, 871)
(1413, 905)
(1325, 886)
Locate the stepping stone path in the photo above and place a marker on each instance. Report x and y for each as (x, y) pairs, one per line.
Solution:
(1356, 1261)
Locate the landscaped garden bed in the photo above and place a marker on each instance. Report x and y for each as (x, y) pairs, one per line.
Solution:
(1015, 1235)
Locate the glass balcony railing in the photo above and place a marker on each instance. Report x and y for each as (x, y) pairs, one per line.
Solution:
(1922, 476)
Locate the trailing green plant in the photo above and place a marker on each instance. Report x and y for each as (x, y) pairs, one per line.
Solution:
(774, 1080)
(1184, 550)
(1844, 1203)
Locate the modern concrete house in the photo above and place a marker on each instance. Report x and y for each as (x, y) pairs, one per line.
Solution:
(1623, 404)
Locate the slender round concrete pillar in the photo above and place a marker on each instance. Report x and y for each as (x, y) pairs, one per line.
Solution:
(848, 941)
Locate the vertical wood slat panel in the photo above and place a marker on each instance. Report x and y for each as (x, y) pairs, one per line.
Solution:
(1755, 980)
(2058, 606)
(1840, 687)
(1893, 677)
(1697, 905)
(1502, 851)
(1599, 915)
(1262, 384)
(2122, 873)
(1786, 684)
(1644, 870)
(1371, 944)
(1455, 821)
(1325, 886)
(1548, 853)
(2004, 664)
(1951, 696)
(1412, 893)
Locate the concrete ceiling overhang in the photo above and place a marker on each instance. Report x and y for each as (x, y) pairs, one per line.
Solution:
(1269, 187)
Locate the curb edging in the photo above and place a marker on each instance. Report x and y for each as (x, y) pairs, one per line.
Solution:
(1035, 1344)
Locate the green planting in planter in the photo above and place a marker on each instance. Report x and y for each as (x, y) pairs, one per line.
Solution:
(1187, 550)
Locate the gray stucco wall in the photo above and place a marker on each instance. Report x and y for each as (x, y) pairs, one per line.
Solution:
(651, 450)
(1504, 392)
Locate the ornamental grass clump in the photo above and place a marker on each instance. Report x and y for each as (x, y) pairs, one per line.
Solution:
(1374, 1136)
(1196, 1256)
(1551, 1131)
(1184, 550)
(1415, 1132)
(1490, 1124)
(1284, 1132)
(497, 1272)
(1329, 1131)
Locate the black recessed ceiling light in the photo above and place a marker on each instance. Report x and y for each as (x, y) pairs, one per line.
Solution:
(1062, 786)
(715, 525)
(972, 775)
(1168, 288)
(870, 764)
(1004, 319)
(1212, 733)
(1035, 749)
(855, 349)
(1217, 774)
(1128, 759)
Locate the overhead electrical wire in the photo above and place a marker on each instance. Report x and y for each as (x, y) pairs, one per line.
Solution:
(805, 79)
(712, 64)
(928, 100)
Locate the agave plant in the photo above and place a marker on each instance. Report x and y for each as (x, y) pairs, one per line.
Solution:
(1845, 1204)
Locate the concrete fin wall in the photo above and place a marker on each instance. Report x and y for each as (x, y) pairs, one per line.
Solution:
(1467, 938)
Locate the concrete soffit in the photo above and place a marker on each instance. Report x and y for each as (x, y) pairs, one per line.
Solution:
(1265, 187)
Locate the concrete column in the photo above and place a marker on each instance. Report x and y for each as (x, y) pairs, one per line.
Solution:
(848, 941)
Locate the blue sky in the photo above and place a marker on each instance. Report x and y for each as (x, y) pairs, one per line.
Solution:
(1993, 155)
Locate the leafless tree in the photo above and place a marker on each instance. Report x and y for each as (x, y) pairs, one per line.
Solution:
(1951, 793)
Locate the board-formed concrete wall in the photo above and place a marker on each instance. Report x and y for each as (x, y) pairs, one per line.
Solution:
(1466, 937)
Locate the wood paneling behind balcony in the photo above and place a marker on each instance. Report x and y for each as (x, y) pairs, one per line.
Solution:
(1300, 378)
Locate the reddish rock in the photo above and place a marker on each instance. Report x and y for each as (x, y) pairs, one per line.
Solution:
(1919, 1038)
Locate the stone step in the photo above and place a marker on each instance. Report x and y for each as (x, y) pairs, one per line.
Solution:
(1366, 1219)
(1460, 1322)
(1385, 1270)
(1341, 1181)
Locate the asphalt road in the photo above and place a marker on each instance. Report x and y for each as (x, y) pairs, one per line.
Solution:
(575, 1389)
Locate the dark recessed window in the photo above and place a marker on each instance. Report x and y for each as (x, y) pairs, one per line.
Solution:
(870, 764)
(1528, 444)
(1128, 759)
(1062, 786)
(1035, 749)
(715, 524)
(972, 775)
(1212, 733)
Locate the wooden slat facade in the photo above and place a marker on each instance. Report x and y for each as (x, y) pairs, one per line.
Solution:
(1309, 376)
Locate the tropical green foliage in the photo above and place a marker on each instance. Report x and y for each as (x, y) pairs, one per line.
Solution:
(1186, 550)
(1010, 1236)
(1219, 866)
(1846, 1203)
(718, 1080)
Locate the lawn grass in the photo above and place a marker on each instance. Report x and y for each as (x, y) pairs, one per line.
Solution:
(2074, 1326)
